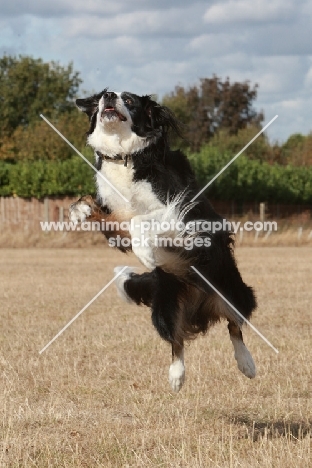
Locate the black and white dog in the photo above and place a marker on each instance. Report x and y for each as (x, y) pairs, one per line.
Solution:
(129, 134)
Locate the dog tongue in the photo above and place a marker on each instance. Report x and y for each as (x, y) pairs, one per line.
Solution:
(111, 109)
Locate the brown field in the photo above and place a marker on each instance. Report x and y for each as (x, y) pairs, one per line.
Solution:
(99, 395)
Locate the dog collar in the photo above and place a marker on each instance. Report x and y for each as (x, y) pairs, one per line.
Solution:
(117, 159)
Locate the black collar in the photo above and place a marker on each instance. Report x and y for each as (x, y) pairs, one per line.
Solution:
(118, 158)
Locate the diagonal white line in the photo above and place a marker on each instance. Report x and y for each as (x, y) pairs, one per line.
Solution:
(82, 310)
(233, 159)
(235, 310)
(84, 158)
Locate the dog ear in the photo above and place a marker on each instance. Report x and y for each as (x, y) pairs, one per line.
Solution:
(90, 104)
(85, 105)
(162, 116)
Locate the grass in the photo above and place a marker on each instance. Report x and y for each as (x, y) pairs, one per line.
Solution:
(99, 396)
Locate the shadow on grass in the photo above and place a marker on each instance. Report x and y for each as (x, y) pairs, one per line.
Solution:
(270, 430)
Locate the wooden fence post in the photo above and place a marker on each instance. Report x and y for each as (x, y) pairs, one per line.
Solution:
(61, 214)
(46, 209)
(262, 212)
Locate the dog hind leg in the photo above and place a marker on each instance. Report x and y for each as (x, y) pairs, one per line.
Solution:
(243, 357)
(167, 317)
(133, 287)
(160, 291)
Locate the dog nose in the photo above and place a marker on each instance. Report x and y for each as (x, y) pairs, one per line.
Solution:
(110, 95)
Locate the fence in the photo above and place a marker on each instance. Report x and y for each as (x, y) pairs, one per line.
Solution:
(25, 214)
(272, 211)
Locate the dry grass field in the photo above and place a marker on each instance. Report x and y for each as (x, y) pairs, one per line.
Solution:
(288, 235)
(99, 395)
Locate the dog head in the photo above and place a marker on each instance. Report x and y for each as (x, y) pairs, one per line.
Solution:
(124, 116)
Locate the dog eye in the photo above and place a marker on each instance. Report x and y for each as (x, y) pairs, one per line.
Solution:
(129, 101)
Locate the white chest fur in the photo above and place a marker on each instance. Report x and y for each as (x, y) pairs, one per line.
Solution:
(142, 199)
(118, 138)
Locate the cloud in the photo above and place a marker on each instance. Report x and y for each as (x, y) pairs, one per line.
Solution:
(149, 47)
(256, 11)
(175, 22)
(308, 79)
(99, 8)
(59, 8)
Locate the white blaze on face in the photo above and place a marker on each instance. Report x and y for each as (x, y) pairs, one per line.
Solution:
(120, 107)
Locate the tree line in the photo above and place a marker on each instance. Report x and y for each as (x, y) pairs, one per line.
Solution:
(218, 118)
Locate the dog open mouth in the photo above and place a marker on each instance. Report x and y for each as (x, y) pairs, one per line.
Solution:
(110, 112)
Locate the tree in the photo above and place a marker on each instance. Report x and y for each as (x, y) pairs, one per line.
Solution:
(213, 105)
(38, 141)
(297, 150)
(29, 87)
(225, 142)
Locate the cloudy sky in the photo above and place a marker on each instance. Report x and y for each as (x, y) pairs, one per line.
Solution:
(147, 46)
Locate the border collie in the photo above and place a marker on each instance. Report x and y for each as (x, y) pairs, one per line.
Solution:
(130, 135)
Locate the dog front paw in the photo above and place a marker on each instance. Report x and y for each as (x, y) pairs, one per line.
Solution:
(80, 210)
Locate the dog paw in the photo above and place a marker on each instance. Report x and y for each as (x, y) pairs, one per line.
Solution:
(120, 281)
(247, 366)
(245, 362)
(176, 375)
(79, 211)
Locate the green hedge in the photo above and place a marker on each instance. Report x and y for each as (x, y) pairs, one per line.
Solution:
(251, 180)
(244, 180)
(41, 178)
